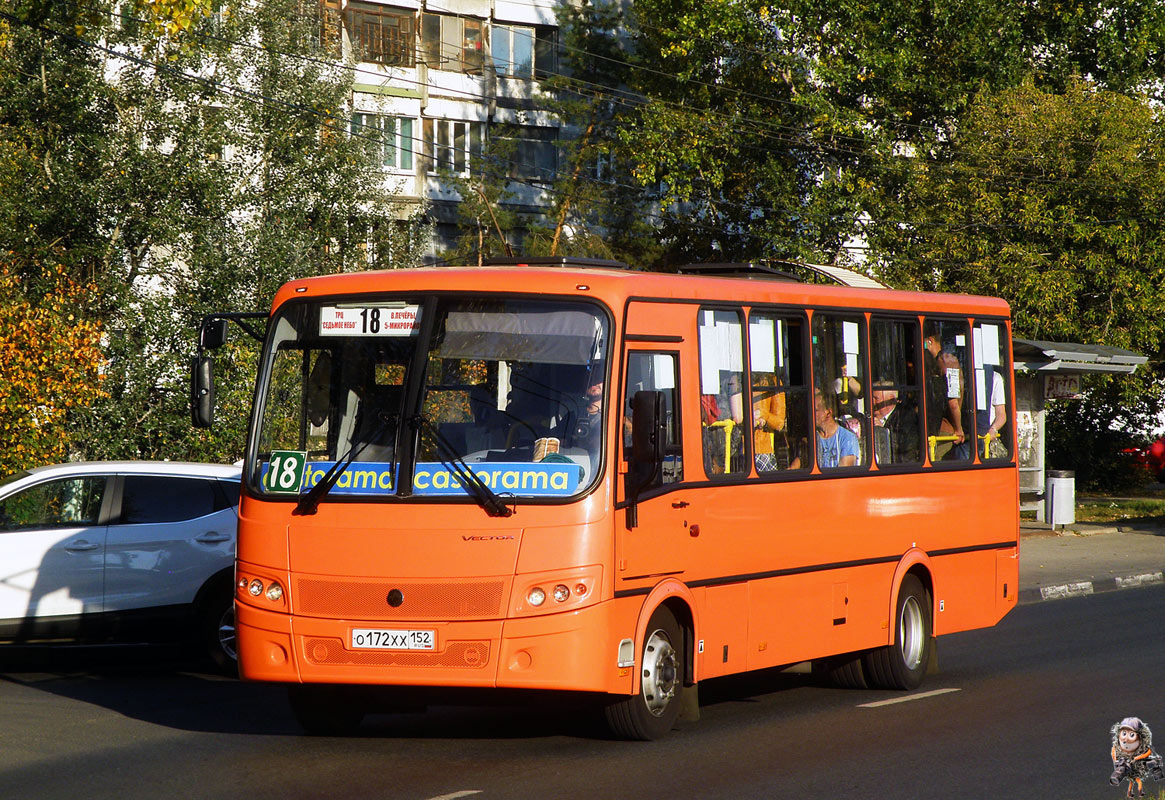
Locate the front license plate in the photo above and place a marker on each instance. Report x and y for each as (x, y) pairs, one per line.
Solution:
(378, 639)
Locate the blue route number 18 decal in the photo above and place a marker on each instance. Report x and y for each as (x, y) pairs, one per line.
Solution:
(284, 474)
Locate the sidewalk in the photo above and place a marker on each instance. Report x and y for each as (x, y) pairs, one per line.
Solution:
(1085, 558)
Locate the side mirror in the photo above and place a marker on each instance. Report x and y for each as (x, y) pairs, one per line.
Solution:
(202, 391)
(213, 334)
(648, 434)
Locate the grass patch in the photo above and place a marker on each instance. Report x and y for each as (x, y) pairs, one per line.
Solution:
(1120, 509)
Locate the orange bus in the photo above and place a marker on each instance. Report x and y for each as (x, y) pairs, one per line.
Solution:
(577, 476)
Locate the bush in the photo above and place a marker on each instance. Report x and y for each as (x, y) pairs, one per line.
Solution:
(1092, 435)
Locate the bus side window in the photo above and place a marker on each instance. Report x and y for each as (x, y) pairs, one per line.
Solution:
(895, 393)
(993, 436)
(780, 408)
(840, 391)
(949, 413)
(653, 371)
(722, 392)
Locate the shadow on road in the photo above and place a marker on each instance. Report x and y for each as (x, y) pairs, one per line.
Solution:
(162, 686)
(159, 685)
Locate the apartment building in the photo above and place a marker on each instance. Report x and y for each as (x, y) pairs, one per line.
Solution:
(438, 79)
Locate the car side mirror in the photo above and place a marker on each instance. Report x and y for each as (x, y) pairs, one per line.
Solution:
(202, 391)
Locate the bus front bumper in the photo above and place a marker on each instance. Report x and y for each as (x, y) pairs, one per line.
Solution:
(573, 651)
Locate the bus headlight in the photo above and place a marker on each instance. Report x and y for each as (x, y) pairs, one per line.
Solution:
(262, 591)
(571, 589)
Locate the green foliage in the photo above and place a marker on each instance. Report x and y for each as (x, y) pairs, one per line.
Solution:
(51, 364)
(1089, 435)
(178, 195)
(1049, 200)
(487, 220)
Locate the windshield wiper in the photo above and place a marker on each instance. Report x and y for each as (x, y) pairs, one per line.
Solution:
(486, 497)
(309, 502)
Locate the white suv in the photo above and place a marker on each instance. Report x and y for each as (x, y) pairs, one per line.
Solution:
(125, 551)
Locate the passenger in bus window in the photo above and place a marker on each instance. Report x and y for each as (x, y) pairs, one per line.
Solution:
(895, 426)
(769, 445)
(836, 446)
(989, 422)
(715, 411)
(944, 415)
(849, 410)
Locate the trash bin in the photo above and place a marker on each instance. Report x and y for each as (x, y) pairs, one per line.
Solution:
(1060, 497)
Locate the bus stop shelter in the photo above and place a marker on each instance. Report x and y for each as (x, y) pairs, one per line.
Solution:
(1052, 371)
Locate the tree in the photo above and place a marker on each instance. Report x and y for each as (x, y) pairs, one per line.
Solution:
(1053, 201)
(51, 360)
(595, 208)
(787, 131)
(57, 116)
(1090, 435)
(184, 175)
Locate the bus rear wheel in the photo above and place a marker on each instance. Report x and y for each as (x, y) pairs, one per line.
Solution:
(903, 664)
(845, 672)
(652, 712)
(324, 710)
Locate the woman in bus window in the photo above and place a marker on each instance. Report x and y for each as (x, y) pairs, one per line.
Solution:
(768, 414)
(722, 415)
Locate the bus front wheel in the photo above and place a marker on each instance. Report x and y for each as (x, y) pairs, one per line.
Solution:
(903, 664)
(653, 711)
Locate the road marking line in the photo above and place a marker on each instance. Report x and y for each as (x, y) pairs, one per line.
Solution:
(455, 795)
(918, 696)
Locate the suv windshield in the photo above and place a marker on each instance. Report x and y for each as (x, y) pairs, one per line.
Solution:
(405, 396)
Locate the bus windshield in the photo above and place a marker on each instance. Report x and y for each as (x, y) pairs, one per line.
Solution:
(403, 397)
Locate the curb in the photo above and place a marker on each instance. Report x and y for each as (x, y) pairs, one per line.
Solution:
(1080, 588)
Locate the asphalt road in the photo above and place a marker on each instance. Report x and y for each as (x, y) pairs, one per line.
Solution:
(1019, 711)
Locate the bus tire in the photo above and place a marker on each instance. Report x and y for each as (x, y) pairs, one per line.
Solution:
(845, 672)
(903, 664)
(324, 710)
(653, 711)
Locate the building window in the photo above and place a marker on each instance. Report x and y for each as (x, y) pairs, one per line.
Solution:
(452, 43)
(383, 35)
(450, 145)
(328, 22)
(522, 51)
(535, 154)
(393, 136)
